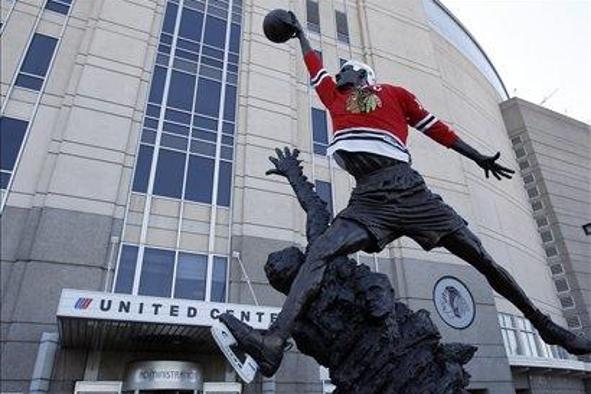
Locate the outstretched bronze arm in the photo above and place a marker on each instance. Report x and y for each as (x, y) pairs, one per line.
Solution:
(487, 163)
(287, 165)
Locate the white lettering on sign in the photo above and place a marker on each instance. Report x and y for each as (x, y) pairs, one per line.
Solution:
(123, 307)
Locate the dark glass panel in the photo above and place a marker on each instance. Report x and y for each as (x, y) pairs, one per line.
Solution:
(215, 31)
(235, 38)
(319, 126)
(230, 103)
(156, 276)
(4, 179)
(204, 135)
(29, 82)
(218, 280)
(199, 179)
(148, 136)
(191, 23)
(39, 55)
(126, 271)
(206, 123)
(57, 7)
(208, 97)
(142, 169)
(157, 87)
(191, 272)
(177, 116)
(175, 128)
(169, 173)
(180, 93)
(225, 184)
(170, 17)
(12, 133)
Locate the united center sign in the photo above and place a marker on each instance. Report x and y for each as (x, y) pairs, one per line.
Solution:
(123, 307)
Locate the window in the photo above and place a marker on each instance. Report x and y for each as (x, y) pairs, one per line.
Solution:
(587, 228)
(191, 117)
(156, 275)
(199, 179)
(191, 23)
(533, 192)
(191, 273)
(215, 32)
(218, 284)
(551, 251)
(537, 205)
(313, 16)
(61, 6)
(567, 302)
(561, 285)
(547, 236)
(342, 27)
(319, 131)
(524, 164)
(208, 97)
(573, 322)
(180, 92)
(324, 191)
(126, 271)
(169, 173)
(557, 269)
(542, 222)
(529, 178)
(36, 62)
(516, 140)
(12, 135)
(520, 152)
(142, 169)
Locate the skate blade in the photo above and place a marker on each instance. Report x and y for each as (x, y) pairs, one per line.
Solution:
(243, 364)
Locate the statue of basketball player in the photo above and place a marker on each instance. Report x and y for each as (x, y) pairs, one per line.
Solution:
(390, 200)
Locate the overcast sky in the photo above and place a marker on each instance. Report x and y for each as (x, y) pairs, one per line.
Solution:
(537, 46)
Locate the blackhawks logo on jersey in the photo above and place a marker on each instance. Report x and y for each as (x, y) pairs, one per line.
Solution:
(363, 100)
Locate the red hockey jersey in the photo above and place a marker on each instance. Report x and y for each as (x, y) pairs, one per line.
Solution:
(383, 130)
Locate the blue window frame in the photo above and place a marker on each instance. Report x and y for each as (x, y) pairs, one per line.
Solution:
(60, 6)
(319, 131)
(36, 62)
(218, 283)
(126, 270)
(191, 274)
(157, 270)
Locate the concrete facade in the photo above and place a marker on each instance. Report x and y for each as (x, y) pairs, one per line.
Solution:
(554, 156)
(71, 204)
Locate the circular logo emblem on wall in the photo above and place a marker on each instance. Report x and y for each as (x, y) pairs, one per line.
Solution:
(454, 302)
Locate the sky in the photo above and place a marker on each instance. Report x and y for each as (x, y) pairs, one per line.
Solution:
(540, 48)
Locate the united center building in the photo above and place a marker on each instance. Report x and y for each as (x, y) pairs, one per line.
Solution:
(135, 206)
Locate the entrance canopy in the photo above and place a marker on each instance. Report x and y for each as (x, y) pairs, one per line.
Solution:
(111, 321)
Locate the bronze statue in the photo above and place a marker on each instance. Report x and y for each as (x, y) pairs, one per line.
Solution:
(390, 200)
